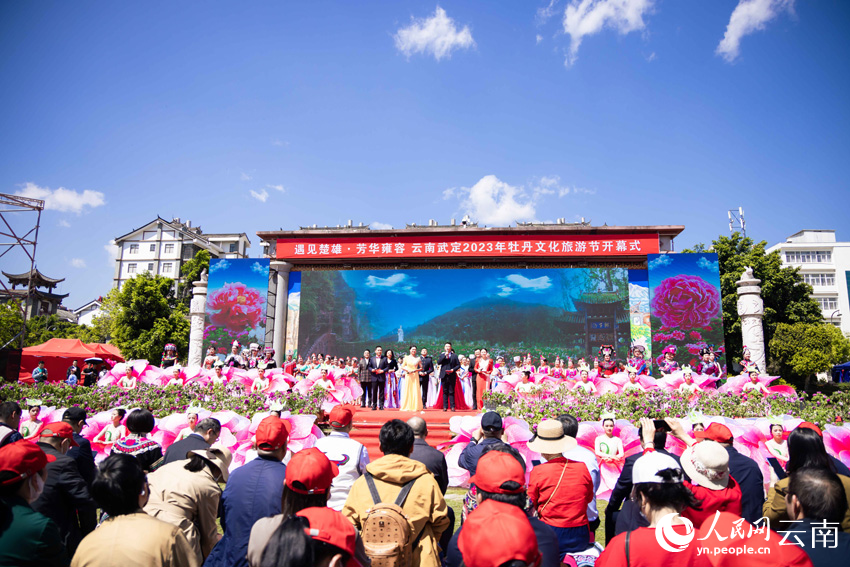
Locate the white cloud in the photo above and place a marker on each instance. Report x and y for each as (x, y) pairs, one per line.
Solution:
(380, 226)
(544, 14)
(707, 264)
(583, 18)
(293, 301)
(246, 177)
(651, 57)
(262, 195)
(112, 250)
(260, 269)
(506, 290)
(396, 283)
(217, 264)
(494, 202)
(749, 16)
(280, 188)
(64, 224)
(536, 284)
(660, 262)
(280, 143)
(78, 262)
(539, 38)
(437, 36)
(61, 199)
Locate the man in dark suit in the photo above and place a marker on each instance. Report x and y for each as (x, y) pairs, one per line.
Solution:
(206, 433)
(449, 364)
(365, 378)
(378, 368)
(623, 488)
(65, 499)
(82, 454)
(425, 374)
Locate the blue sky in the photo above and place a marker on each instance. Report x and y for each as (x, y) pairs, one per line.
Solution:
(251, 272)
(254, 116)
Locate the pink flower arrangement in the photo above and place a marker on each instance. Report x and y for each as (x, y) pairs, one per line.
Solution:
(236, 307)
(685, 301)
(677, 336)
(695, 335)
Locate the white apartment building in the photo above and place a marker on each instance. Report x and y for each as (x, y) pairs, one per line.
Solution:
(825, 265)
(161, 247)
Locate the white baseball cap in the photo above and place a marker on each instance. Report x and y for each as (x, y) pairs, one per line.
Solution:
(646, 468)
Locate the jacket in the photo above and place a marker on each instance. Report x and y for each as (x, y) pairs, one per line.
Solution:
(427, 368)
(448, 362)
(711, 501)
(774, 507)
(188, 500)
(375, 364)
(84, 458)
(749, 477)
(135, 539)
(350, 456)
(547, 544)
(363, 373)
(66, 499)
(561, 496)
(178, 451)
(434, 461)
(472, 452)
(623, 488)
(253, 492)
(425, 506)
(28, 538)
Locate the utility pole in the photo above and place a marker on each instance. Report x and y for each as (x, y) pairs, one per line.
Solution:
(737, 221)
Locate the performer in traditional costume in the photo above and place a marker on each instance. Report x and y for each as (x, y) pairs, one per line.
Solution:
(607, 447)
(268, 358)
(113, 431)
(128, 381)
(261, 383)
(746, 361)
(633, 385)
(169, 356)
(218, 378)
(210, 359)
(234, 359)
(584, 384)
(607, 366)
(688, 387)
(666, 362)
(754, 385)
(777, 444)
(638, 361)
(706, 366)
(31, 427)
(192, 419)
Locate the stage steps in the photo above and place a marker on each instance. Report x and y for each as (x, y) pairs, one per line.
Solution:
(368, 423)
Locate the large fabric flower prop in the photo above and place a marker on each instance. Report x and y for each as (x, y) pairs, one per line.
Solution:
(685, 302)
(236, 307)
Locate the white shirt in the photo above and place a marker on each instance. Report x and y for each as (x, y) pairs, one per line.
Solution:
(350, 456)
(587, 457)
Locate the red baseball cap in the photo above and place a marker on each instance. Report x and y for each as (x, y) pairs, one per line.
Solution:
(312, 469)
(812, 426)
(333, 528)
(716, 432)
(59, 429)
(495, 533)
(272, 433)
(495, 468)
(341, 416)
(24, 459)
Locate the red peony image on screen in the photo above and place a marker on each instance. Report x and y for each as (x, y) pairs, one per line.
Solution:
(236, 307)
(686, 302)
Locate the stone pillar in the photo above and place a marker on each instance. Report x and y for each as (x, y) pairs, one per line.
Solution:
(751, 312)
(197, 312)
(280, 308)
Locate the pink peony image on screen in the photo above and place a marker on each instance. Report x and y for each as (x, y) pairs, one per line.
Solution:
(685, 302)
(236, 307)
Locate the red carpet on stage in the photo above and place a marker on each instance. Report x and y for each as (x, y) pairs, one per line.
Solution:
(368, 423)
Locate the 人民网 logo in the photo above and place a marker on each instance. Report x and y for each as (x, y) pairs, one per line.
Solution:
(671, 540)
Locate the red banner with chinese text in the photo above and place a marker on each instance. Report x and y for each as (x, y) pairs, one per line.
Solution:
(468, 246)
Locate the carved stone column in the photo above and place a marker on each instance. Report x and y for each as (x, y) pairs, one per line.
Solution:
(197, 312)
(280, 308)
(751, 312)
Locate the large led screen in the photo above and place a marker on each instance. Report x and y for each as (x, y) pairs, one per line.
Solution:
(236, 303)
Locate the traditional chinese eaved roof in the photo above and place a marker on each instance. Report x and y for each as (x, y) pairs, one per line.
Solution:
(599, 297)
(39, 279)
(22, 293)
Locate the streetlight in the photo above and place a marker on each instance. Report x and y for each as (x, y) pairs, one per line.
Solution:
(833, 315)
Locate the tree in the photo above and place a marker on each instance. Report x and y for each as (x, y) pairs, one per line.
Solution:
(146, 315)
(42, 328)
(11, 323)
(190, 272)
(787, 298)
(100, 330)
(802, 350)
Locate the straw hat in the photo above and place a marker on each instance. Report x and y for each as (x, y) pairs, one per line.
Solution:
(707, 463)
(219, 457)
(551, 439)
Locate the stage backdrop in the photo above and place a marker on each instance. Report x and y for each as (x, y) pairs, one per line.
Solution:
(236, 303)
(685, 305)
(550, 311)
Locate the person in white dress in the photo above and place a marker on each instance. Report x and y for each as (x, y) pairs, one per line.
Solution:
(192, 418)
(113, 431)
(777, 446)
(584, 384)
(754, 385)
(608, 447)
(633, 385)
(688, 387)
(261, 383)
(218, 377)
(526, 386)
(176, 379)
(466, 380)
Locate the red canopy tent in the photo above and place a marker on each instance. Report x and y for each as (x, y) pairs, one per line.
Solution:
(58, 354)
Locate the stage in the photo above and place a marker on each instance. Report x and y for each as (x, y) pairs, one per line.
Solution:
(368, 423)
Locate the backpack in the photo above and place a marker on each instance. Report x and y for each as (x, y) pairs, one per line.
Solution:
(386, 532)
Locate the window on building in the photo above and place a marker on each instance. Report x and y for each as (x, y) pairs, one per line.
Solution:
(134, 249)
(808, 256)
(153, 247)
(169, 249)
(150, 266)
(166, 268)
(827, 303)
(816, 280)
(234, 247)
(131, 268)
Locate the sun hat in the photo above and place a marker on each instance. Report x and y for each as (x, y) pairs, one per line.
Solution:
(707, 464)
(495, 469)
(272, 433)
(647, 467)
(24, 459)
(551, 439)
(219, 457)
(495, 533)
(331, 527)
(312, 469)
(716, 432)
